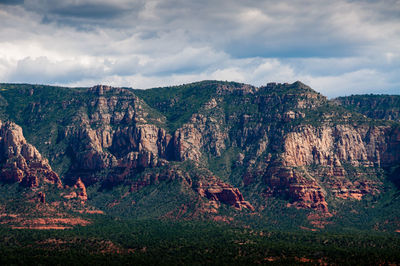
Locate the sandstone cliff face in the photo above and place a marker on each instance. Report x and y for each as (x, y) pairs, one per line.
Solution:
(120, 135)
(140, 138)
(301, 190)
(310, 162)
(138, 145)
(20, 161)
(362, 146)
(333, 147)
(284, 138)
(314, 162)
(200, 134)
(301, 162)
(118, 132)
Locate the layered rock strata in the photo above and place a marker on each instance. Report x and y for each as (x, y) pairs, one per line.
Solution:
(20, 161)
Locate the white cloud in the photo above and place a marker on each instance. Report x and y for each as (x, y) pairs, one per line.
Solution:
(361, 81)
(336, 46)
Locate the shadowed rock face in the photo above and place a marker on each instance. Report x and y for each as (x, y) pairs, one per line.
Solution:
(78, 192)
(222, 192)
(117, 134)
(20, 161)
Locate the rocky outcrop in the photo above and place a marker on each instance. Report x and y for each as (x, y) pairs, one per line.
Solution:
(132, 146)
(328, 146)
(119, 134)
(20, 161)
(315, 159)
(77, 192)
(219, 191)
(188, 142)
(42, 197)
(100, 89)
(87, 145)
(80, 186)
(345, 189)
(300, 189)
(140, 138)
(201, 134)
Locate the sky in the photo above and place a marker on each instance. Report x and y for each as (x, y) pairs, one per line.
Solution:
(336, 47)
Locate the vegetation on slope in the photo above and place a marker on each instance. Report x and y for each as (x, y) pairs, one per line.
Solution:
(374, 106)
(178, 103)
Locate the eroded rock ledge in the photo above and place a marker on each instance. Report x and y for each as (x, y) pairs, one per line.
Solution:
(20, 161)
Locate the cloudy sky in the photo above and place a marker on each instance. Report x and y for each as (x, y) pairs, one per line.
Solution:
(337, 47)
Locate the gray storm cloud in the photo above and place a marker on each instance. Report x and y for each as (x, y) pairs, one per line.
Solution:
(337, 47)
